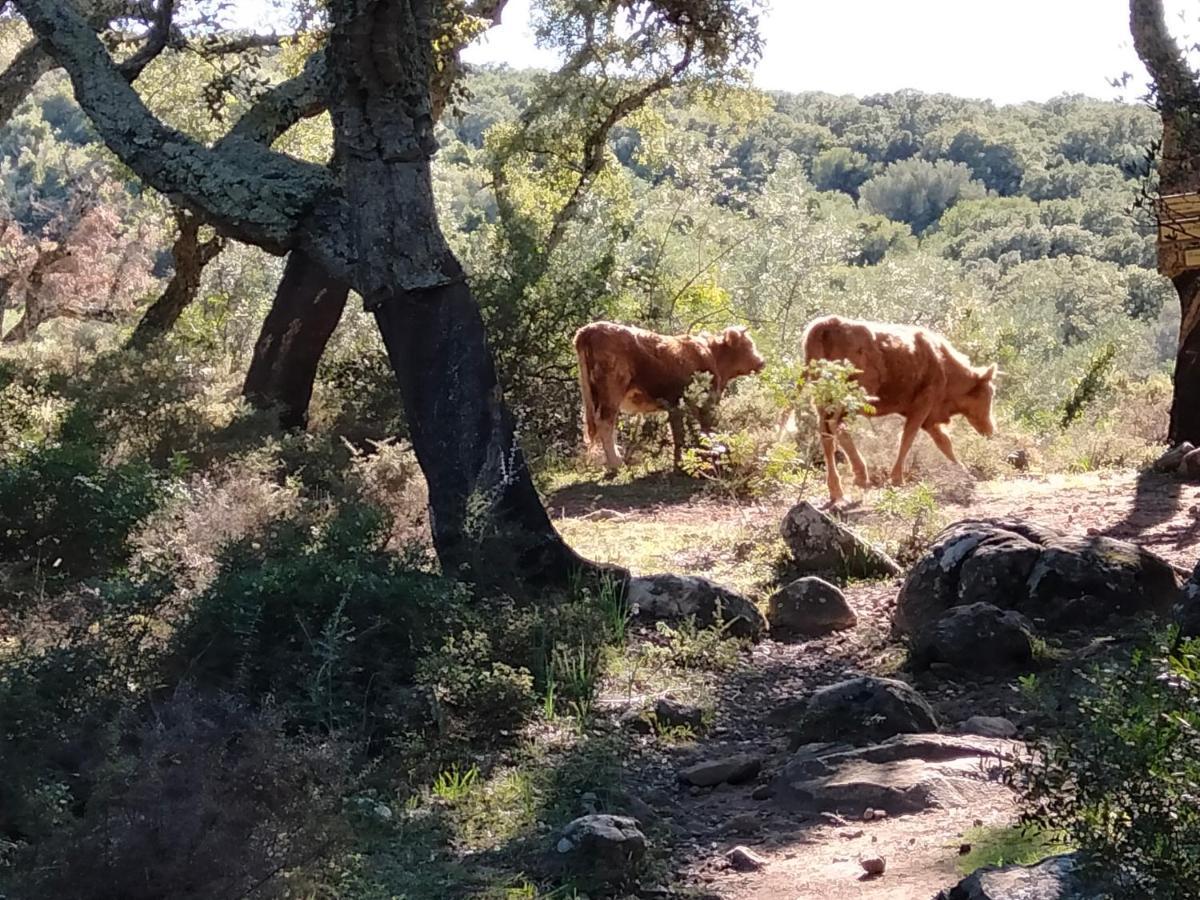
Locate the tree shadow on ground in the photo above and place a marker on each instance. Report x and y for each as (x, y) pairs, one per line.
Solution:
(649, 490)
(1157, 500)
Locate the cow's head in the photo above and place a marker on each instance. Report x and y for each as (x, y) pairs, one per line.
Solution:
(976, 405)
(735, 353)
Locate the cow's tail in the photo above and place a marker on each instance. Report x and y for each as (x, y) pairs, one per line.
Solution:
(583, 351)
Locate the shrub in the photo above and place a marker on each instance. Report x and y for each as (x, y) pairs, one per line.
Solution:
(1120, 781)
(65, 513)
(202, 797)
(318, 615)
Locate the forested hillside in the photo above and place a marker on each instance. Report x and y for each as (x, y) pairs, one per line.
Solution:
(1016, 230)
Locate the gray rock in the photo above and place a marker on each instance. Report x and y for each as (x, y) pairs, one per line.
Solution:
(1018, 459)
(674, 714)
(874, 866)
(820, 545)
(809, 607)
(1056, 878)
(745, 860)
(1034, 570)
(863, 710)
(676, 598)
(904, 775)
(976, 638)
(1173, 458)
(1189, 466)
(730, 769)
(989, 726)
(601, 848)
(637, 719)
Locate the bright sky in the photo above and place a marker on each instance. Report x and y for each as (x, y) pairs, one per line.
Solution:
(1008, 51)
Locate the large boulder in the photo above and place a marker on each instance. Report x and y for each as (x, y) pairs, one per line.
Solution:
(821, 546)
(862, 710)
(809, 607)
(977, 638)
(601, 848)
(676, 598)
(1059, 579)
(903, 775)
(1056, 878)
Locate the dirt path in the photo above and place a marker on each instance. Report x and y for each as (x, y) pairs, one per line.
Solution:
(662, 524)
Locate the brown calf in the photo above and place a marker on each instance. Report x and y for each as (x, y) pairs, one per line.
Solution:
(628, 369)
(905, 370)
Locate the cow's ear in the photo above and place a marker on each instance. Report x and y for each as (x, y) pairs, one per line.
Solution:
(990, 373)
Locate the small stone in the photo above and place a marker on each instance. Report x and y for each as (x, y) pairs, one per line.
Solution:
(731, 769)
(874, 866)
(880, 814)
(606, 848)
(964, 849)
(989, 726)
(674, 714)
(833, 819)
(851, 835)
(636, 720)
(745, 823)
(762, 792)
(745, 860)
(868, 814)
(809, 607)
(1018, 459)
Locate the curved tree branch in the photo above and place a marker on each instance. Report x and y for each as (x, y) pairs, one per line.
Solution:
(300, 97)
(1174, 81)
(241, 187)
(30, 64)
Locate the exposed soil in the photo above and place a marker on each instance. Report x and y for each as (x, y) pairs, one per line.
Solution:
(659, 523)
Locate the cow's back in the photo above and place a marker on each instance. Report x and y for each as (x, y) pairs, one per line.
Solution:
(660, 367)
(896, 363)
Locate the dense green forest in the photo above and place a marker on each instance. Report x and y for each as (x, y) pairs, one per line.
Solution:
(1016, 230)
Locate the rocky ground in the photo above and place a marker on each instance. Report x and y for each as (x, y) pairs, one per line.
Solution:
(820, 839)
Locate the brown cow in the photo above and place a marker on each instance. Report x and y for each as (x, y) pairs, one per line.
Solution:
(905, 370)
(623, 368)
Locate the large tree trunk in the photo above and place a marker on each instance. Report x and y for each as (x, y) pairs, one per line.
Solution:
(488, 522)
(487, 517)
(307, 307)
(1177, 94)
(1185, 401)
(191, 256)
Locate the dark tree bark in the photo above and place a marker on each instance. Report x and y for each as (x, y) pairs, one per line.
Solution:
(307, 307)
(1177, 94)
(191, 256)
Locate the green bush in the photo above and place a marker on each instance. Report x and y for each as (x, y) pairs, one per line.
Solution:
(65, 513)
(1120, 781)
(318, 615)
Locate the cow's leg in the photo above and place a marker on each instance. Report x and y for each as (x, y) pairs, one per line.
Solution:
(606, 431)
(856, 460)
(678, 436)
(941, 440)
(911, 426)
(829, 426)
